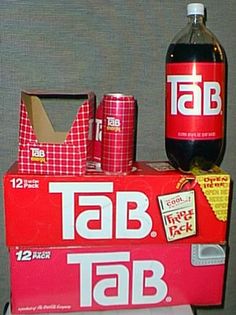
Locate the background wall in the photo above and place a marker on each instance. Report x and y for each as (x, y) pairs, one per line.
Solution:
(106, 46)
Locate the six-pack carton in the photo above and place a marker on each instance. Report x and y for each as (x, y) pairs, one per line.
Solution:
(45, 150)
(154, 204)
(71, 279)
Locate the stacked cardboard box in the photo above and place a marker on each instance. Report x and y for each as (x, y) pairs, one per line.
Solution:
(155, 237)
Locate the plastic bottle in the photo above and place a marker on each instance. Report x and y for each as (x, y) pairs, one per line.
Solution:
(195, 95)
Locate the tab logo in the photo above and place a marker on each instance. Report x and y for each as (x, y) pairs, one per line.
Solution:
(38, 155)
(113, 124)
(205, 99)
(112, 278)
(95, 202)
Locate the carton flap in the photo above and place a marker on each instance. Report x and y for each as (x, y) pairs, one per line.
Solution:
(58, 93)
(41, 124)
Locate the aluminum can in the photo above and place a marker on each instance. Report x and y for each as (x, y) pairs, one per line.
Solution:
(118, 131)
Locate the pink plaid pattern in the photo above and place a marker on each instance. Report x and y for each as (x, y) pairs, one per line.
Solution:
(68, 158)
(118, 133)
(26, 133)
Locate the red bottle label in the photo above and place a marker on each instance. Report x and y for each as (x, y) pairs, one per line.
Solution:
(195, 100)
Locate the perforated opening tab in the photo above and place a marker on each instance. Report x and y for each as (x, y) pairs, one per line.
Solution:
(208, 254)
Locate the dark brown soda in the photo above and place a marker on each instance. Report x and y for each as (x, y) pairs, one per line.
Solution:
(184, 154)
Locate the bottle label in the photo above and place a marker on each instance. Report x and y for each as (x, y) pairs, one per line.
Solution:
(195, 100)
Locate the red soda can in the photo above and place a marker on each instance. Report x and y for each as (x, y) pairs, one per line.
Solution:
(118, 132)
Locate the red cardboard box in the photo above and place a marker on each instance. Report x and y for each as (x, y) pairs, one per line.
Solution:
(154, 204)
(72, 279)
(44, 150)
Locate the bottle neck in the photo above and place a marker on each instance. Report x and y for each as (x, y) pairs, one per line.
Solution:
(196, 19)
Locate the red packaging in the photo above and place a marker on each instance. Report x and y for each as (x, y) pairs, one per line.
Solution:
(72, 279)
(195, 102)
(43, 150)
(153, 204)
(118, 133)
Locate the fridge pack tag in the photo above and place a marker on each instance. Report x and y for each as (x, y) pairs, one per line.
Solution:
(178, 214)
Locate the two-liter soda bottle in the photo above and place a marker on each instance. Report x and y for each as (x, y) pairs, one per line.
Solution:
(195, 95)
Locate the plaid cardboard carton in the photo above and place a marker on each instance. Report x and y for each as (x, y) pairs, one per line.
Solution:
(42, 149)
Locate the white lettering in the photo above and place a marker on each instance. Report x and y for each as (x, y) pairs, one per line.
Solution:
(96, 212)
(186, 96)
(212, 94)
(67, 190)
(103, 215)
(36, 152)
(113, 122)
(119, 281)
(140, 282)
(125, 215)
(85, 262)
(115, 275)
